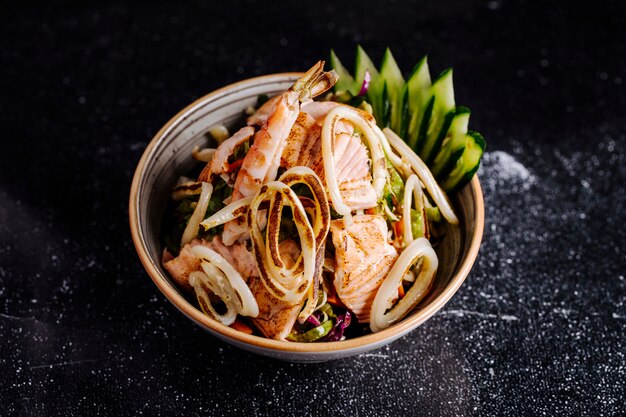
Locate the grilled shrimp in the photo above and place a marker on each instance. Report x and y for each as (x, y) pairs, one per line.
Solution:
(219, 162)
(263, 159)
(261, 163)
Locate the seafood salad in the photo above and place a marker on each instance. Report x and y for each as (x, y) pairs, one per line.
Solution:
(315, 221)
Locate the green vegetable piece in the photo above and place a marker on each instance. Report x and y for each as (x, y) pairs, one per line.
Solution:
(423, 125)
(467, 165)
(433, 214)
(312, 335)
(417, 224)
(445, 127)
(392, 77)
(418, 86)
(443, 88)
(405, 116)
(443, 92)
(179, 217)
(385, 111)
(453, 144)
(421, 111)
(363, 64)
(328, 310)
(345, 82)
(221, 190)
(396, 185)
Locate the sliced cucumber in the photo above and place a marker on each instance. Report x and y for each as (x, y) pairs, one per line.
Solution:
(443, 91)
(460, 122)
(467, 165)
(418, 86)
(443, 88)
(453, 142)
(422, 111)
(392, 76)
(405, 115)
(423, 124)
(345, 81)
(384, 115)
(364, 64)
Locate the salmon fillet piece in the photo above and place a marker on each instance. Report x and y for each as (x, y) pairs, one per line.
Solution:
(276, 317)
(352, 163)
(363, 258)
(185, 263)
(298, 137)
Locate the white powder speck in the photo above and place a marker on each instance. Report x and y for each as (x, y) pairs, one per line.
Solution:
(507, 166)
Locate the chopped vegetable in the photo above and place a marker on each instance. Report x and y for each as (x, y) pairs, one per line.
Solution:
(366, 84)
(345, 83)
(219, 133)
(417, 223)
(312, 335)
(396, 184)
(342, 322)
(433, 214)
(421, 112)
(240, 325)
(179, 217)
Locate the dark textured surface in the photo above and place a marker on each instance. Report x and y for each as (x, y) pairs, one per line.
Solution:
(538, 327)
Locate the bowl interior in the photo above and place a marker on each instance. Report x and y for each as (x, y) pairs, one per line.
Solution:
(169, 156)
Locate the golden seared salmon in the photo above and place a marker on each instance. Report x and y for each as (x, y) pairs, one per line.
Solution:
(185, 263)
(238, 256)
(352, 163)
(363, 257)
(276, 317)
(352, 167)
(298, 137)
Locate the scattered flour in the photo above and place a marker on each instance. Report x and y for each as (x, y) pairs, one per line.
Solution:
(499, 167)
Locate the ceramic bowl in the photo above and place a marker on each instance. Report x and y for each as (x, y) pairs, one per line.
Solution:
(168, 156)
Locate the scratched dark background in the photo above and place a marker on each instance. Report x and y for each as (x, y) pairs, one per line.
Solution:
(539, 326)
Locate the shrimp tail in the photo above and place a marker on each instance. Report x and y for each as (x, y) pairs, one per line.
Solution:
(314, 82)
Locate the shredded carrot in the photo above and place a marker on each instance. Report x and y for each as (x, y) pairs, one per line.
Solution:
(400, 291)
(334, 300)
(241, 326)
(234, 165)
(397, 228)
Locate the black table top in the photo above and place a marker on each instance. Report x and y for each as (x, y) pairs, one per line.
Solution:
(537, 328)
